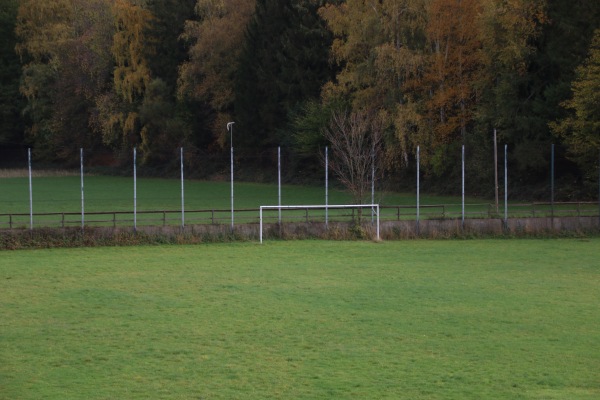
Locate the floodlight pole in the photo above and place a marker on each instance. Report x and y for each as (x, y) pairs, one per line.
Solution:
(182, 193)
(496, 168)
(462, 224)
(552, 185)
(373, 182)
(30, 190)
(82, 193)
(230, 129)
(327, 187)
(134, 190)
(418, 187)
(506, 187)
(279, 180)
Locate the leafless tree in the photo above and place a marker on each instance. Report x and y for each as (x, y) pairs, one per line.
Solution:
(356, 142)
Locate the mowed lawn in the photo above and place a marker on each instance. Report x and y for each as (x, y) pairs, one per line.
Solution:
(63, 194)
(475, 319)
(112, 193)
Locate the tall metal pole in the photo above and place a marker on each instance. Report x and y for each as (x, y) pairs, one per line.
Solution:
(279, 180)
(378, 236)
(463, 187)
(182, 192)
(505, 187)
(134, 190)
(230, 129)
(326, 187)
(496, 168)
(82, 193)
(418, 187)
(30, 190)
(372, 182)
(552, 184)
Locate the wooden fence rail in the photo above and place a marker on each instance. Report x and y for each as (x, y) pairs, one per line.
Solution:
(251, 215)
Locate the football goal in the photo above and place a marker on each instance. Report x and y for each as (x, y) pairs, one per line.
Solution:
(373, 207)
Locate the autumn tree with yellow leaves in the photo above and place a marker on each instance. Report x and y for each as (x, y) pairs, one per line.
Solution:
(108, 75)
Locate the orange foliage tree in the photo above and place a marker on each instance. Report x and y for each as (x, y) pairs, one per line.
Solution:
(208, 75)
(454, 69)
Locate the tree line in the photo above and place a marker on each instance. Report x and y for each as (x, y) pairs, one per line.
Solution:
(108, 75)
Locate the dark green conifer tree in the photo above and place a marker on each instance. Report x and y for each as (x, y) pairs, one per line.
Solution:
(562, 46)
(11, 102)
(283, 64)
(165, 120)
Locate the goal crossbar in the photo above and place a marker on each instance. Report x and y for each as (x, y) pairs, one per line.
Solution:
(324, 207)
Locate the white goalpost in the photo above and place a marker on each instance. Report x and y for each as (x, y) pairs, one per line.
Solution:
(313, 207)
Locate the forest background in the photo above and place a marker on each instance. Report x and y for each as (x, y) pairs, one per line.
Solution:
(111, 75)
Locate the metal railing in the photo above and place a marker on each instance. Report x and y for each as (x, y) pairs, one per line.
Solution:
(487, 210)
(308, 214)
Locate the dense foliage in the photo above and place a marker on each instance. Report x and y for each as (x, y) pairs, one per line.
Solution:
(11, 125)
(110, 75)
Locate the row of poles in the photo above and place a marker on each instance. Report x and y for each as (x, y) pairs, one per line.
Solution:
(29, 162)
(230, 129)
(463, 186)
(278, 186)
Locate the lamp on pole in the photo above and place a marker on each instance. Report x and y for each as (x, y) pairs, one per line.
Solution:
(496, 168)
(230, 129)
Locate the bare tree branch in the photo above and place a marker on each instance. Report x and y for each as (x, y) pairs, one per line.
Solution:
(356, 141)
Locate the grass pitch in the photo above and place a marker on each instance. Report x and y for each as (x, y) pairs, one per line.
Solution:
(110, 193)
(481, 319)
(62, 194)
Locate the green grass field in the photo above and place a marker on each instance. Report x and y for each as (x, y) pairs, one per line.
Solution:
(62, 194)
(480, 319)
(110, 193)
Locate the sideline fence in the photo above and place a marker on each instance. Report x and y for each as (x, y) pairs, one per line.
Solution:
(216, 216)
(300, 214)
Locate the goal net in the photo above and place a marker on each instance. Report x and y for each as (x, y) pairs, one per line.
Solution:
(326, 208)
